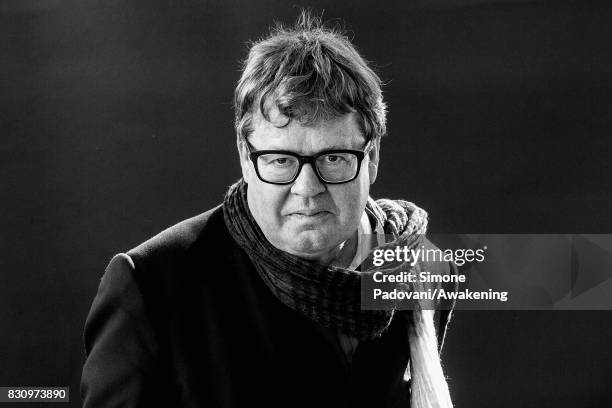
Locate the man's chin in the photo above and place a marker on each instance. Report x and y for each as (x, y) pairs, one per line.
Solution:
(311, 244)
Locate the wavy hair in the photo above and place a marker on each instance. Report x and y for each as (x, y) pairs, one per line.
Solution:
(310, 73)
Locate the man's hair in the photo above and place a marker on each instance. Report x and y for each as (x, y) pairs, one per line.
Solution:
(310, 73)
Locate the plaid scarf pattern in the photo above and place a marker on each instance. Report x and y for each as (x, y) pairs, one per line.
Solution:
(329, 295)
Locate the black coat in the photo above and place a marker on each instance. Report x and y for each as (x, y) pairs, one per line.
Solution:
(184, 320)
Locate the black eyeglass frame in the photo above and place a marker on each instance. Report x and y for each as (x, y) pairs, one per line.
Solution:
(360, 154)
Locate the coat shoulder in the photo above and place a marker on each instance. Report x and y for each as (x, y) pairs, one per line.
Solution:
(177, 240)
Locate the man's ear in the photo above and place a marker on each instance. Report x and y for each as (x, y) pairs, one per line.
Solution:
(374, 156)
(243, 153)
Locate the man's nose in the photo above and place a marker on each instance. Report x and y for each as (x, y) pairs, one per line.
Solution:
(307, 183)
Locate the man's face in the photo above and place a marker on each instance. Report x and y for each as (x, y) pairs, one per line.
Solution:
(308, 218)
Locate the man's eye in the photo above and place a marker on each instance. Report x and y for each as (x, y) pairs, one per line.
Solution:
(281, 161)
(278, 161)
(334, 159)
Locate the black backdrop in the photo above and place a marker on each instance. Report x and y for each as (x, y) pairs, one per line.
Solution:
(116, 121)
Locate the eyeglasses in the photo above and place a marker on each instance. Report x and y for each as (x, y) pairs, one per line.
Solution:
(331, 166)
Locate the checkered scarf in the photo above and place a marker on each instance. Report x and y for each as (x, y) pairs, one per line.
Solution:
(329, 295)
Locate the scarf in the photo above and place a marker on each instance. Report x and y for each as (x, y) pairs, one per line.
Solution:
(329, 295)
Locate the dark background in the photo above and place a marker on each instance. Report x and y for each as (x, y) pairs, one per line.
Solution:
(116, 121)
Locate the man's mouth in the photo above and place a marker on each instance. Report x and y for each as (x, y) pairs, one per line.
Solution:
(310, 214)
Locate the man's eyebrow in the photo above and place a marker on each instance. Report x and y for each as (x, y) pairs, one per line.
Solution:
(336, 147)
(323, 149)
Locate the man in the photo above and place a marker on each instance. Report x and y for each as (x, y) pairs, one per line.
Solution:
(256, 302)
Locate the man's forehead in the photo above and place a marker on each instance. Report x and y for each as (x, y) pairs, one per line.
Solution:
(280, 132)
